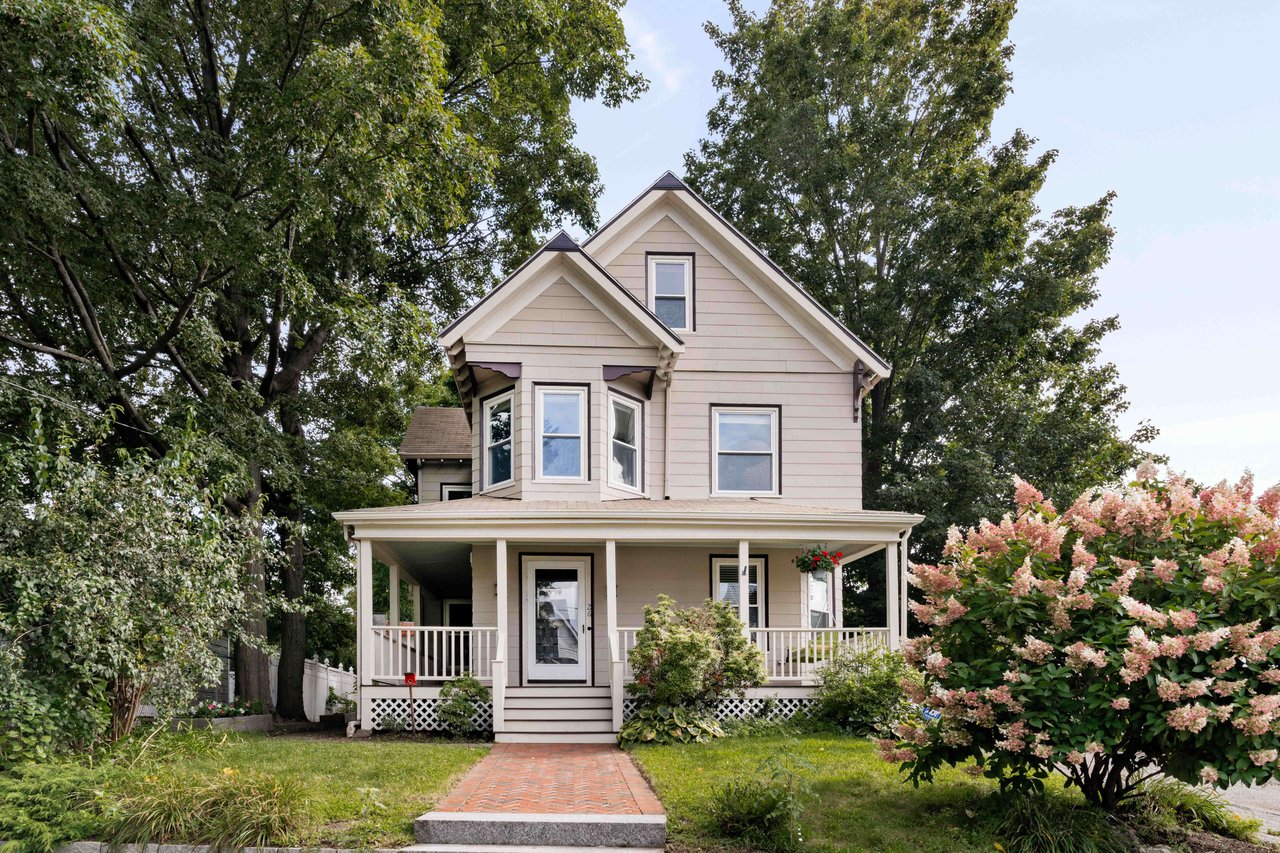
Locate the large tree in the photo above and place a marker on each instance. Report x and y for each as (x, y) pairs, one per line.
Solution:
(221, 204)
(852, 141)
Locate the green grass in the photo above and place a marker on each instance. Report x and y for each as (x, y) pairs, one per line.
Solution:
(862, 802)
(355, 793)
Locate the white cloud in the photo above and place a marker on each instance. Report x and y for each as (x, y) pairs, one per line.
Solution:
(1212, 448)
(654, 54)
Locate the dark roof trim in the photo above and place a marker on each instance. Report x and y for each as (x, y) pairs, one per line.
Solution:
(669, 181)
(561, 242)
(509, 369)
(617, 371)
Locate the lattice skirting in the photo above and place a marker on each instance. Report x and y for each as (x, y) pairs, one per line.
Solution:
(762, 707)
(393, 715)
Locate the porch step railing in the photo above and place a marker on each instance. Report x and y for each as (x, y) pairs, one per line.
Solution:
(432, 653)
(790, 654)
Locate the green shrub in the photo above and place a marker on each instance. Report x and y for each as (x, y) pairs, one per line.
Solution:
(1047, 823)
(43, 806)
(230, 810)
(668, 724)
(461, 697)
(764, 811)
(1165, 809)
(691, 658)
(860, 690)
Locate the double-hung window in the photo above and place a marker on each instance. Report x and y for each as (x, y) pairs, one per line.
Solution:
(562, 435)
(625, 464)
(498, 423)
(726, 585)
(671, 290)
(746, 456)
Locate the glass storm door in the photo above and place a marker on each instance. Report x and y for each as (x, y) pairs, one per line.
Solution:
(557, 618)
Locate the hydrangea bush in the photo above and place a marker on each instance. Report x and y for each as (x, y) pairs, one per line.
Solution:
(1132, 633)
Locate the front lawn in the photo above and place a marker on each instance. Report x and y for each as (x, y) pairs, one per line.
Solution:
(862, 801)
(356, 793)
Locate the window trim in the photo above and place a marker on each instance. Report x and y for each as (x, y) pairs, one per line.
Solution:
(583, 390)
(689, 259)
(775, 414)
(446, 488)
(486, 405)
(831, 598)
(638, 405)
(762, 581)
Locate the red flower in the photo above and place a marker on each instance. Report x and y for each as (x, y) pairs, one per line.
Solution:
(839, 554)
(825, 554)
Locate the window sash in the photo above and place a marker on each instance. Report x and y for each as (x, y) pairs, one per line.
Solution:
(825, 617)
(685, 296)
(726, 582)
(508, 442)
(637, 422)
(773, 454)
(579, 436)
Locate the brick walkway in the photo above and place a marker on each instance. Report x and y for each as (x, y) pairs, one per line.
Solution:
(553, 778)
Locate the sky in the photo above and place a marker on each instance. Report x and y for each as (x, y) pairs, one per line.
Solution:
(1173, 105)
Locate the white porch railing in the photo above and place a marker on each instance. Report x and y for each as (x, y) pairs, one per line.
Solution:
(432, 653)
(790, 654)
(794, 654)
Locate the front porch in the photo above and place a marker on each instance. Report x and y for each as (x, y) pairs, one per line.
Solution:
(543, 605)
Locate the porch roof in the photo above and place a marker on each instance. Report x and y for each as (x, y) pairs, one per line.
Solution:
(485, 519)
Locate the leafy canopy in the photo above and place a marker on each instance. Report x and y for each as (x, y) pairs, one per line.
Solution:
(852, 141)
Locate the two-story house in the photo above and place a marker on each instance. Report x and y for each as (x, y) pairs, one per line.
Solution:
(658, 410)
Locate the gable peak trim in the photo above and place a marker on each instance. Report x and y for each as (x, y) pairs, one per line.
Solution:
(668, 181)
(561, 242)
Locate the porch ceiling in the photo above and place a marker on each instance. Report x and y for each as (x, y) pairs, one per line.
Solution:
(442, 567)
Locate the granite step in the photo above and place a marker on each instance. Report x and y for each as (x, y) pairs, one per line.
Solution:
(487, 830)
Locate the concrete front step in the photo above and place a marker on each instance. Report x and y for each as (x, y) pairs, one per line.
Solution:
(559, 714)
(555, 737)
(547, 830)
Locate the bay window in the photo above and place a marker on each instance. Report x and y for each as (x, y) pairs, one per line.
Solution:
(497, 450)
(562, 439)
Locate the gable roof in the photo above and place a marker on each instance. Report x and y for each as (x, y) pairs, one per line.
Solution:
(670, 188)
(561, 247)
(436, 432)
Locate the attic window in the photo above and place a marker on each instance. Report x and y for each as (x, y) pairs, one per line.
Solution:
(671, 290)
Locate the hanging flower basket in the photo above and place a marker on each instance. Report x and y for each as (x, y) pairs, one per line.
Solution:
(818, 559)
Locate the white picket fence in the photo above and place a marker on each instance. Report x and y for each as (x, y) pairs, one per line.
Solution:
(317, 678)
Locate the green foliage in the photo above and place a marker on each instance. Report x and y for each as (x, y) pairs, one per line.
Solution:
(765, 812)
(462, 696)
(668, 724)
(335, 704)
(1165, 809)
(852, 141)
(114, 579)
(690, 658)
(1046, 823)
(262, 213)
(230, 810)
(860, 690)
(44, 806)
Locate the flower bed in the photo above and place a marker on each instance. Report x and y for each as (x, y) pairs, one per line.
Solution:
(230, 716)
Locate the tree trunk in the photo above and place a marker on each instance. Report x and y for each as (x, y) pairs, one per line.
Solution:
(253, 667)
(293, 632)
(126, 694)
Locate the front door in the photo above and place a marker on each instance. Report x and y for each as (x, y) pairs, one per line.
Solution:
(557, 618)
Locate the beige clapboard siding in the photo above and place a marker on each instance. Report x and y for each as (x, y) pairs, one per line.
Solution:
(561, 316)
(734, 328)
(432, 474)
(644, 573)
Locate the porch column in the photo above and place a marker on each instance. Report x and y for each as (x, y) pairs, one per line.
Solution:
(393, 607)
(616, 665)
(891, 592)
(906, 564)
(416, 591)
(500, 657)
(744, 586)
(364, 612)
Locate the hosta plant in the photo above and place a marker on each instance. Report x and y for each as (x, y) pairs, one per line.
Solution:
(1134, 632)
(668, 724)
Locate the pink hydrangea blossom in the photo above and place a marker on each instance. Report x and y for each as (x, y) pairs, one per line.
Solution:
(1081, 656)
(1076, 757)
(1144, 613)
(1025, 495)
(1034, 650)
(1165, 570)
(1188, 718)
(1183, 620)
(1120, 703)
(1208, 775)
(1262, 757)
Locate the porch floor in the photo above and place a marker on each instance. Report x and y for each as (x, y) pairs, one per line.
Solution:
(554, 778)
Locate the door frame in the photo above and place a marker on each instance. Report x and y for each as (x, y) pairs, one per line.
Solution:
(588, 558)
(444, 611)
